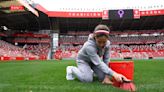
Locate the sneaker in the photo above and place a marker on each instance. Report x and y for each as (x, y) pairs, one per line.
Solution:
(69, 75)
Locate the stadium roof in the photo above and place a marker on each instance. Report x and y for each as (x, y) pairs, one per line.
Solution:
(99, 5)
(15, 16)
(22, 19)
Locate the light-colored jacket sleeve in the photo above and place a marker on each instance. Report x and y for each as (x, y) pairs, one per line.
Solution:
(106, 57)
(96, 60)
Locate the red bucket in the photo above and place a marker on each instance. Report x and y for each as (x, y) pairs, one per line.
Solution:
(125, 68)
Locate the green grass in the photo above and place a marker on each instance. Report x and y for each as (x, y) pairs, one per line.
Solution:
(49, 76)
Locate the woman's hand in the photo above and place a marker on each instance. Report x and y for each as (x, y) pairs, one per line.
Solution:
(107, 80)
(120, 78)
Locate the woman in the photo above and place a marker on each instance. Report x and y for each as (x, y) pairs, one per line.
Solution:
(94, 57)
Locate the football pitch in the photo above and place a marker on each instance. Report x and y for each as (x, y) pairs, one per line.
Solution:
(49, 76)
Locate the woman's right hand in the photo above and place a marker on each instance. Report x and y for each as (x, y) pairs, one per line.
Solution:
(119, 77)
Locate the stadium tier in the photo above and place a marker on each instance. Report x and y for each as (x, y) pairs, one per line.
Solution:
(114, 40)
(11, 51)
(28, 52)
(119, 52)
(40, 50)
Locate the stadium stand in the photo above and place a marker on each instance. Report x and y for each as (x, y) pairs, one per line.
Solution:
(128, 47)
(10, 52)
(40, 50)
(122, 52)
